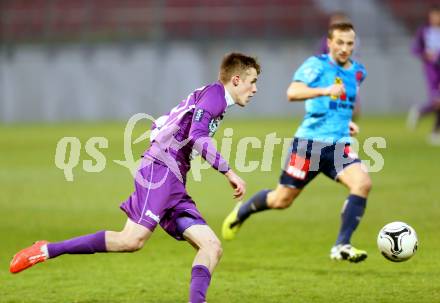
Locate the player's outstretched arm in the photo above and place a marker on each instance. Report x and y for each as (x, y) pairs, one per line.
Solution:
(299, 91)
(237, 184)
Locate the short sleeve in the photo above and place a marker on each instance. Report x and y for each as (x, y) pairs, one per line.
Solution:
(361, 74)
(212, 101)
(309, 72)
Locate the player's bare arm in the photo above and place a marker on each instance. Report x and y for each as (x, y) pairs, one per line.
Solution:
(299, 91)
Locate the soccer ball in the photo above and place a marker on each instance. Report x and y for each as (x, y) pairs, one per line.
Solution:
(397, 241)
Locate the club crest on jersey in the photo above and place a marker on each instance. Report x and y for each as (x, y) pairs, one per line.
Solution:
(213, 126)
(199, 115)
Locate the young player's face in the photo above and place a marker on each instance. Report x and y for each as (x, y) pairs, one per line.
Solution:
(341, 46)
(246, 87)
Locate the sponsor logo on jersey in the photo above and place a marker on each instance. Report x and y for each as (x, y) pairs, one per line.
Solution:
(149, 214)
(199, 115)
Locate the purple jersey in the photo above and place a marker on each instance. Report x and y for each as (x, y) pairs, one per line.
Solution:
(427, 39)
(189, 126)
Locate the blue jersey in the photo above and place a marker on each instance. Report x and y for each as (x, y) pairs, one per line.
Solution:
(327, 118)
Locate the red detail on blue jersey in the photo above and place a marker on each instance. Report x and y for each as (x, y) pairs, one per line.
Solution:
(359, 76)
(298, 167)
(343, 97)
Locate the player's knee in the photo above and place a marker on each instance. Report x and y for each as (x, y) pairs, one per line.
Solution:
(133, 244)
(218, 251)
(213, 248)
(363, 186)
(282, 201)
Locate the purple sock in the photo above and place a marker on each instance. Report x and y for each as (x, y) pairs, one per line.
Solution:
(88, 244)
(200, 279)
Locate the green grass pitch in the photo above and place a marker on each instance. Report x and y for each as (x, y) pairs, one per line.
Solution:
(278, 256)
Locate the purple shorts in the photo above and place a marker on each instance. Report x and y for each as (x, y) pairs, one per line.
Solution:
(160, 198)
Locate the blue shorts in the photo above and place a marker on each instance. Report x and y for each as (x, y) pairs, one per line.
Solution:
(308, 158)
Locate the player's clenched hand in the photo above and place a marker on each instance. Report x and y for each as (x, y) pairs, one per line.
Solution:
(335, 90)
(354, 128)
(237, 184)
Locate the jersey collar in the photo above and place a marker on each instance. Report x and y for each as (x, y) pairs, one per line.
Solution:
(330, 58)
(229, 100)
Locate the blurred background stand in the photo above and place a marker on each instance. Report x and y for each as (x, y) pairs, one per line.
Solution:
(107, 59)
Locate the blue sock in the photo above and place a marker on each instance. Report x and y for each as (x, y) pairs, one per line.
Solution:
(351, 216)
(255, 204)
